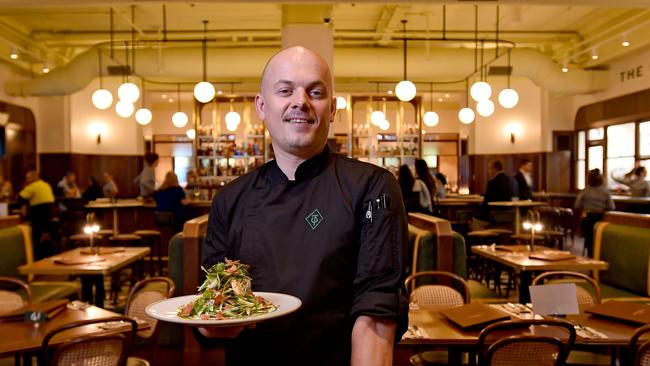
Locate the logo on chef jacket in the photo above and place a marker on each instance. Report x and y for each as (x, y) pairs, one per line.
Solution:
(314, 219)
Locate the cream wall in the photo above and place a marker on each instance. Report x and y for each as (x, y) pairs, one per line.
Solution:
(627, 75)
(120, 136)
(490, 135)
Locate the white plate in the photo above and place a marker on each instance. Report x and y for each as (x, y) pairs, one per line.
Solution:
(166, 310)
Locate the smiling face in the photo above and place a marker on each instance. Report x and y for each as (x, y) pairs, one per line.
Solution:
(296, 102)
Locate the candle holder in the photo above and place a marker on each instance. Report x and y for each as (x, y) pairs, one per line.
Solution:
(91, 228)
(533, 224)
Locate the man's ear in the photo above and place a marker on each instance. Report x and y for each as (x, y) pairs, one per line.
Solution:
(259, 106)
(333, 109)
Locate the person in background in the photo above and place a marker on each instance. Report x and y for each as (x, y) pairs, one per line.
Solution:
(415, 193)
(171, 198)
(442, 189)
(6, 190)
(635, 179)
(593, 201)
(316, 225)
(501, 187)
(38, 194)
(93, 191)
(109, 189)
(524, 180)
(146, 180)
(68, 186)
(435, 187)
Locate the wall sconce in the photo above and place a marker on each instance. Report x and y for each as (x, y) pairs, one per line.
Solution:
(97, 130)
(513, 130)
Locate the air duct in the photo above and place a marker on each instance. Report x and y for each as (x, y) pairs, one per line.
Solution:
(183, 63)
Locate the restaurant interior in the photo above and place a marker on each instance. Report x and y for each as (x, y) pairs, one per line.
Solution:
(553, 96)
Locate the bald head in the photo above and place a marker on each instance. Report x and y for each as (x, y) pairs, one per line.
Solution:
(290, 57)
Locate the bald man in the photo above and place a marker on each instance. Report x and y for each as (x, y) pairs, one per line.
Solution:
(327, 229)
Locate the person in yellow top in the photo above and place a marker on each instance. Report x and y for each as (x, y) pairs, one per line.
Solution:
(38, 194)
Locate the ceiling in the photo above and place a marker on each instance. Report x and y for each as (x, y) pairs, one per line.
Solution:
(55, 31)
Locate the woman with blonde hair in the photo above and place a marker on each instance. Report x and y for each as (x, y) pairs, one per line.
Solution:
(171, 198)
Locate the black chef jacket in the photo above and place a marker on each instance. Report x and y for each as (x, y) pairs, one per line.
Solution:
(315, 239)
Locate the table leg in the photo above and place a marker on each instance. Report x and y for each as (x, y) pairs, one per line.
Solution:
(87, 284)
(115, 221)
(517, 220)
(525, 278)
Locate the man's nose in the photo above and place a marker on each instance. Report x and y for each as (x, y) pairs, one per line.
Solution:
(300, 99)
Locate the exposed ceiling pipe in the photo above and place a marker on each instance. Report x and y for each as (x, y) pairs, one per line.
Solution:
(351, 64)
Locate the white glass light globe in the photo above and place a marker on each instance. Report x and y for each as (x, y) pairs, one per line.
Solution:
(124, 109)
(128, 92)
(230, 126)
(191, 133)
(384, 125)
(179, 119)
(377, 117)
(143, 116)
(204, 92)
(480, 91)
(508, 98)
(341, 103)
(102, 99)
(485, 108)
(431, 118)
(233, 118)
(466, 115)
(405, 90)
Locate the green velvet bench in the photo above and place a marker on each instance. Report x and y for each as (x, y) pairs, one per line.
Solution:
(16, 249)
(623, 240)
(432, 243)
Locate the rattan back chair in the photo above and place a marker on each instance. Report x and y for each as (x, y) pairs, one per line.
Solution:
(640, 348)
(11, 300)
(142, 294)
(446, 289)
(108, 348)
(585, 297)
(513, 343)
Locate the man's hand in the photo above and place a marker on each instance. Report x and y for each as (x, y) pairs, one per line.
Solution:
(372, 341)
(224, 332)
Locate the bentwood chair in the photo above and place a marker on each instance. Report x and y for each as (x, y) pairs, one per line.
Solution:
(587, 289)
(11, 300)
(98, 349)
(639, 351)
(512, 343)
(436, 288)
(143, 294)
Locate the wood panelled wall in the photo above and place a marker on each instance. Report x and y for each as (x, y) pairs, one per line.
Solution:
(551, 170)
(123, 167)
(20, 154)
(625, 108)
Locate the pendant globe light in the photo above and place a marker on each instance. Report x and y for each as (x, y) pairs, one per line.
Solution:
(431, 118)
(143, 115)
(102, 98)
(485, 108)
(124, 109)
(377, 116)
(191, 133)
(405, 89)
(179, 119)
(204, 91)
(128, 91)
(466, 115)
(508, 98)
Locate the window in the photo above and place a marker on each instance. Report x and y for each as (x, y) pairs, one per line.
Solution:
(620, 151)
(644, 138)
(580, 164)
(596, 134)
(595, 158)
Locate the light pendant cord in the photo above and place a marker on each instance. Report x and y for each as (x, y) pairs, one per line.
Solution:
(101, 79)
(467, 92)
(178, 96)
(496, 48)
(431, 96)
(475, 38)
(404, 41)
(205, 50)
(444, 22)
(132, 39)
(509, 68)
(111, 34)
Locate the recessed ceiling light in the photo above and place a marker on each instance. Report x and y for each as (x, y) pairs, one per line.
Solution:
(440, 99)
(565, 66)
(390, 92)
(594, 54)
(447, 95)
(164, 96)
(626, 42)
(170, 100)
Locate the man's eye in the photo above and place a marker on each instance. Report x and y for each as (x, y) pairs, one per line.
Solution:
(284, 91)
(317, 93)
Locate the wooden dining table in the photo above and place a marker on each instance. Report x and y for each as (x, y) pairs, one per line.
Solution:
(91, 268)
(115, 207)
(436, 331)
(21, 336)
(517, 258)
